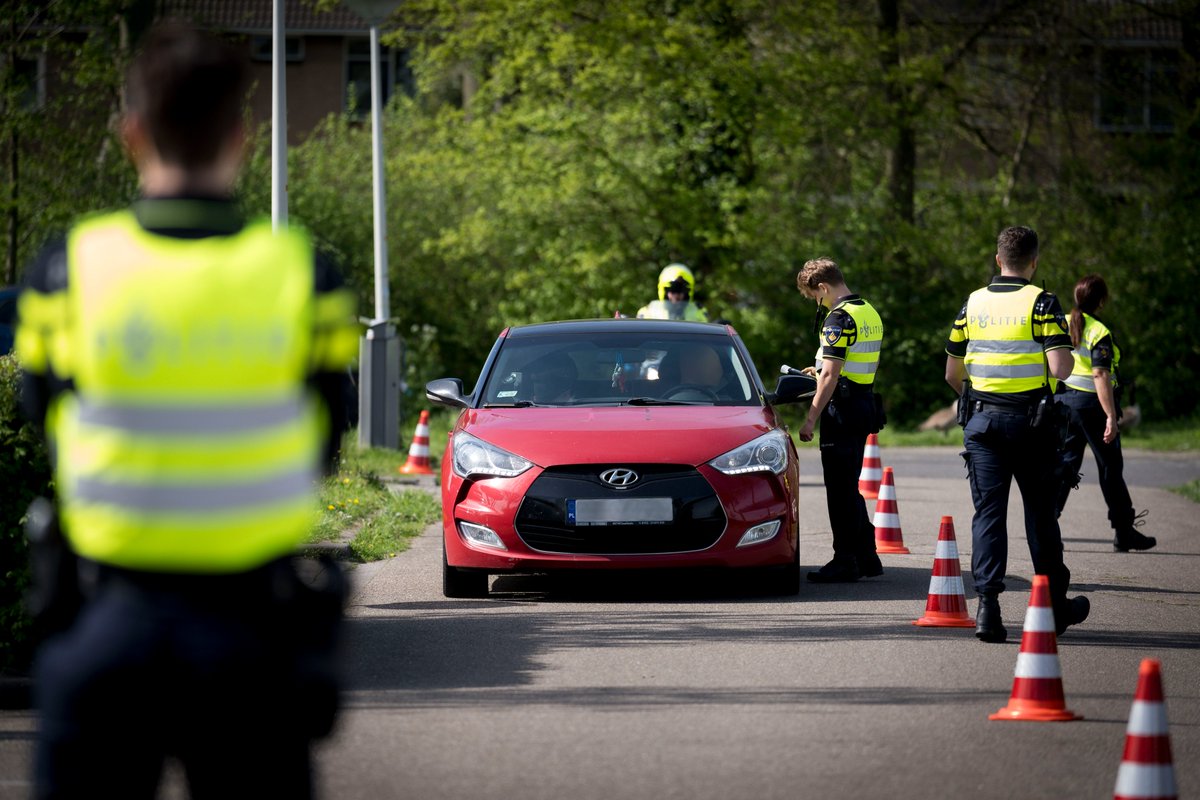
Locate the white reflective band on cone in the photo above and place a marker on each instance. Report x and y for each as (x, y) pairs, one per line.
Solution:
(1039, 619)
(1145, 780)
(946, 550)
(1147, 719)
(946, 584)
(1037, 665)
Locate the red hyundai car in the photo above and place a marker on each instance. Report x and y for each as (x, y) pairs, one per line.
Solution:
(618, 444)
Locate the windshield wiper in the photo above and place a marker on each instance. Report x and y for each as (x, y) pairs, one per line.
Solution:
(658, 401)
(516, 404)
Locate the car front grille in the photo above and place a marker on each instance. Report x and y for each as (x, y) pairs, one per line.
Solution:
(697, 516)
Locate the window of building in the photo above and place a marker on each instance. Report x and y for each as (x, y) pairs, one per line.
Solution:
(31, 82)
(1136, 89)
(261, 48)
(394, 73)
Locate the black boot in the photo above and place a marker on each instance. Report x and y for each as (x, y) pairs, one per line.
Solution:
(988, 626)
(1127, 539)
(869, 566)
(836, 572)
(1126, 536)
(1071, 612)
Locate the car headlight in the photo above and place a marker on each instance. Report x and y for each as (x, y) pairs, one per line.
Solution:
(767, 453)
(475, 457)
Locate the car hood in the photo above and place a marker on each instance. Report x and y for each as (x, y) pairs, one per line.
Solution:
(667, 434)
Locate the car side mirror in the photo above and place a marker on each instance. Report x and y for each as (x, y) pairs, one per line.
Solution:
(793, 389)
(448, 392)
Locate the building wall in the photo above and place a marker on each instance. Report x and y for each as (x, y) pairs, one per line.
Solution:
(316, 86)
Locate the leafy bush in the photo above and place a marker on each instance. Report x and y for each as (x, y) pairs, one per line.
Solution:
(24, 474)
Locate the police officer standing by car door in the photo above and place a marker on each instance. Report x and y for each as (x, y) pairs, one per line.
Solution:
(1005, 353)
(846, 405)
(189, 367)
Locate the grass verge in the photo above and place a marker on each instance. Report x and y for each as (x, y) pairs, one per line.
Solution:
(1189, 490)
(356, 505)
(1162, 436)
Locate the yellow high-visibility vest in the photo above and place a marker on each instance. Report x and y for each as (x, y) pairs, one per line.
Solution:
(661, 309)
(189, 442)
(1081, 372)
(1002, 355)
(862, 357)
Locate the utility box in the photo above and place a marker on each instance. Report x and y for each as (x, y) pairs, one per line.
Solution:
(380, 355)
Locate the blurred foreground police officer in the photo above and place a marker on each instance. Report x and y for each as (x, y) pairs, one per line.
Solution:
(189, 369)
(851, 339)
(1006, 350)
(676, 286)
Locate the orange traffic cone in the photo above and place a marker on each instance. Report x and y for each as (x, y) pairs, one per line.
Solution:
(1146, 770)
(869, 477)
(418, 451)
(1037, 692)
(946, 606)
(888, 536)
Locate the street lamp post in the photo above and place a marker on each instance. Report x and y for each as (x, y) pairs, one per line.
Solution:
(278, 117)
(379, 349)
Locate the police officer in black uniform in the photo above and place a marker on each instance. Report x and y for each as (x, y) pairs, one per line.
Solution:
(845, 403)
(189, 366)
(1005, 353)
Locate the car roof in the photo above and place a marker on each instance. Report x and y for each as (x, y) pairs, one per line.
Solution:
(597, 326)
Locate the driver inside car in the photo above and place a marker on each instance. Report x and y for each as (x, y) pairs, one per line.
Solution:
(701, 366)
(693, 372)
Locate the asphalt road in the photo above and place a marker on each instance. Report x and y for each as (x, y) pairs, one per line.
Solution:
(625, 688)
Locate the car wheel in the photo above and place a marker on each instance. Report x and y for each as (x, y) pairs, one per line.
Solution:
(783, 580)
(461, 583)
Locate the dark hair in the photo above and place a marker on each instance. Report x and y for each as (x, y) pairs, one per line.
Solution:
(1090, 292)
(1017, 247)
(818, 270)
(189, 88)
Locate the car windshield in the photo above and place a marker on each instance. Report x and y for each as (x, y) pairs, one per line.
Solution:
(624, 368)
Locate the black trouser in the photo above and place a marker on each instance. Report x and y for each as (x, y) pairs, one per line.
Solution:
(1086, 422)
(845, 423)
(216, 671)
(1000, 447)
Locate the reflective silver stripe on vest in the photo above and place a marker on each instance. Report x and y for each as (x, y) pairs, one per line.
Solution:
(210, 498)
(867, 347)
(1003, 346)
(977, 370)
(861, 367)
(205, 420)
(1081, 382)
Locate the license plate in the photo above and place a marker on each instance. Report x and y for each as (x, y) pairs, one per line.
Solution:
(620, 511)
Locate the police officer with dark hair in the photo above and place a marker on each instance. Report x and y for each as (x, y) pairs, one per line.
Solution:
(1005, 353)
(845, 404)
(189, 367)
(1093, 414)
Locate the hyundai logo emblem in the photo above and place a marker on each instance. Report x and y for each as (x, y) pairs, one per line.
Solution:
(619, 478)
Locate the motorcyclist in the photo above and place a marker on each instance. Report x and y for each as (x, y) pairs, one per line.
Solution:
(676, 285)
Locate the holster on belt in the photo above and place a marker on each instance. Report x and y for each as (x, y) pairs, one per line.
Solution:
(54, 597)
(965, 405)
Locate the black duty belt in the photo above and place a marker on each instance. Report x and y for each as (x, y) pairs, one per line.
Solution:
(259, 582)
(855, 388)
(1001, 408)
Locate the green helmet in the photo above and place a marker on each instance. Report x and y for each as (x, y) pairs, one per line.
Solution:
(672, 273)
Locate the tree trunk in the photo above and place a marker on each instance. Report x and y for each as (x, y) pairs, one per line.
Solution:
(902, 157)
(14, 163)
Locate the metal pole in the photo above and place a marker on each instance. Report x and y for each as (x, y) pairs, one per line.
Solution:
(382, 312)
(379, 350)
(279, 214)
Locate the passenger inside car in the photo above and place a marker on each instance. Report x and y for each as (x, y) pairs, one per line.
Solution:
(553, 379)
